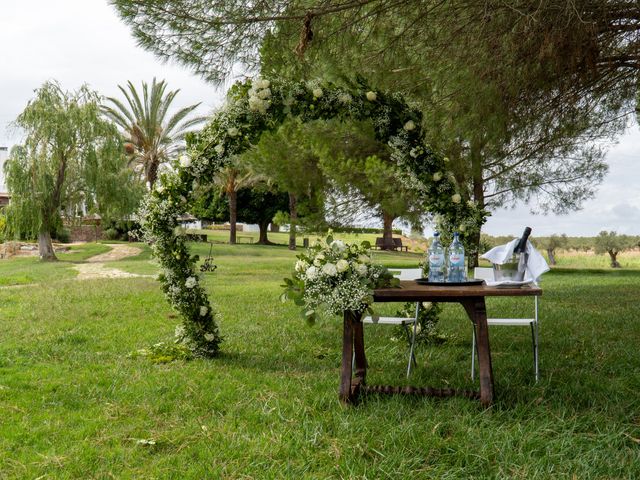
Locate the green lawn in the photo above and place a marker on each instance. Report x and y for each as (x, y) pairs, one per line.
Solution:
(74, 405)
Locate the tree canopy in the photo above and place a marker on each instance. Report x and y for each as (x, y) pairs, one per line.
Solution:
(153, 135)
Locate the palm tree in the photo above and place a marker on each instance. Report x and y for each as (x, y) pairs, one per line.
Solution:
(152, 139)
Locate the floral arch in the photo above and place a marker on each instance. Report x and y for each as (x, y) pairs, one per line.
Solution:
(258, 106)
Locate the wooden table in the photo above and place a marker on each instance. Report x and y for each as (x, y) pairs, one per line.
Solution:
(472, 298)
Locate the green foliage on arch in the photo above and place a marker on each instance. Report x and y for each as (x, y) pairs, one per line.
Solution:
(253, 108)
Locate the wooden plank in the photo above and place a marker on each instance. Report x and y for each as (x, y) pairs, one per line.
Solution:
(477, 311)
(410, 291)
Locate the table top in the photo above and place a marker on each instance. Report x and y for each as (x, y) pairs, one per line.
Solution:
(410, 291)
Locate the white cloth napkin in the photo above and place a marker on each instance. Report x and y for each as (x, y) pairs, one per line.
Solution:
(536, 264)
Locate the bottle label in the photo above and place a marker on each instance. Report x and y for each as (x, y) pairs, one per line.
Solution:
(436, 259)
(456, 259)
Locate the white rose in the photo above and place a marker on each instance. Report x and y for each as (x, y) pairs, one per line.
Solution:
(203, 311)
(410, 125)
(185, 161)
(190, 282)
(209, 337)
(311, 273)
(462, 228)
(413, 153)
(372, 96)
(342, 265)
(427, 305)
(456, 198)
(317, 92)
(338, 245)
(261, 83)
(233, 132)
(330, 269)
(364, 259)
(437, 176)
(471, 203)
(301, 266)
(361, 269)
(159, 189)
(264, 94)
(219, 149)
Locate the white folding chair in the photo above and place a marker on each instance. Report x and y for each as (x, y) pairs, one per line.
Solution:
(403, 274)
(484, 273)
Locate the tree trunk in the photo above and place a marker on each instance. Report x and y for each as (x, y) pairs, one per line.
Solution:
(478, 197)
(293, 215)
(45, 246)
(614, 259)
(552, 255)
(152, 173)
(264, 228)
(387, 231)
(233, 215)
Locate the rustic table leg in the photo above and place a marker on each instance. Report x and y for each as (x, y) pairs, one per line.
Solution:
(360, 358)
(347, 358)
(477, 312)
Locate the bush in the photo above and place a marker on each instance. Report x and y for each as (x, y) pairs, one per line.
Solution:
(62, 235)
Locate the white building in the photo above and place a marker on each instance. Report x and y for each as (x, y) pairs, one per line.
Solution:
(4, 154)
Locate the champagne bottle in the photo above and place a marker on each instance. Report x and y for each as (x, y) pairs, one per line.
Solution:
(520, 255)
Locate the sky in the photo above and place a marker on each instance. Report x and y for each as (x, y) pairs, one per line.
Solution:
(83, 41)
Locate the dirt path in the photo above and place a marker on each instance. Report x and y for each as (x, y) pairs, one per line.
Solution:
(95, 266)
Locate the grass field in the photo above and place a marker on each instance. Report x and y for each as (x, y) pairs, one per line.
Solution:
(74, 405)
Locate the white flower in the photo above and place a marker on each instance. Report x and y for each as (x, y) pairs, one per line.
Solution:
(342, 265)
(317, 92)
(219, 149)
(311, 273)
(203, 310)
(471, 203)
(462, 228)
(264, 94)
(190, 282)
(456, 198)
(413, 153)
(179, 332)
(301, 266)
(410, 125)
(372, 96)
(185, 161)
(160, 188)
(330, 269)
(338, 245)
(364, 258)
(345, 98)
(427, 305)
(261, 83)
(437, 176)
(233, 131)
(361, 269)
(209, 337)
(446, 159)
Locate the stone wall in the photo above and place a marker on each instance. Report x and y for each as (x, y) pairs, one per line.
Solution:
(86, 233)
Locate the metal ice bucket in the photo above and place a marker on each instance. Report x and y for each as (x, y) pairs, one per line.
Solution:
(509, 271)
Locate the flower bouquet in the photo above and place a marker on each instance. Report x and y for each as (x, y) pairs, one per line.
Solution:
(333, 276)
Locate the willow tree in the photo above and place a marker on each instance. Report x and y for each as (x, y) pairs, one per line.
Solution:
(71, 159)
